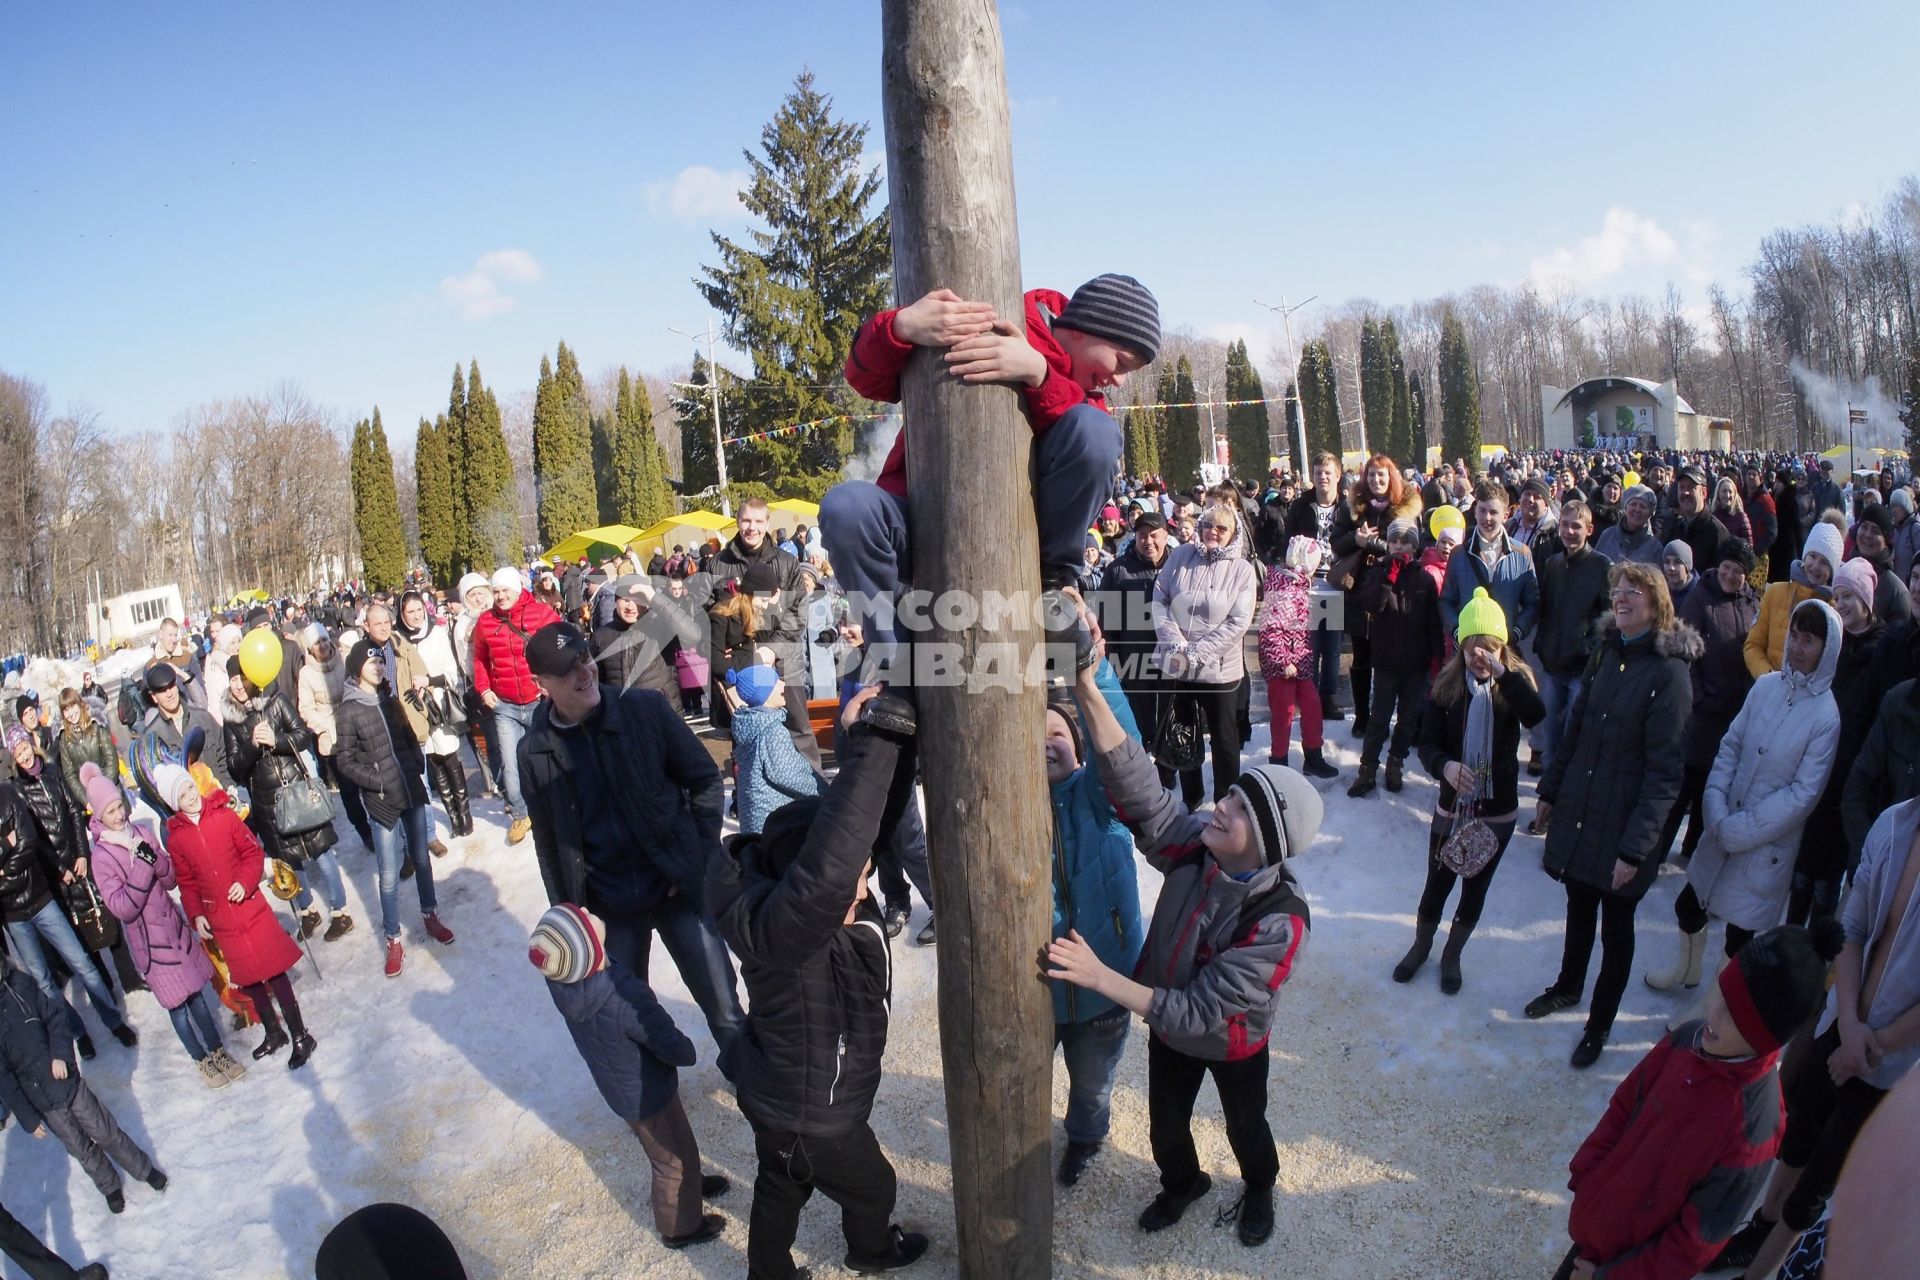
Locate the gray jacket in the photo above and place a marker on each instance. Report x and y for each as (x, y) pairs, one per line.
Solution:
(1218, 948)
(1202, 607)
(1882, 860)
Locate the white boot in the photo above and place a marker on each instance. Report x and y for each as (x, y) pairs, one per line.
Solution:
(1686, 970)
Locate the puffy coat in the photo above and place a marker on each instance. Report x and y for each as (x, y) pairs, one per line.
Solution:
(771, 770)
(64, 834)
(209, 857)
(321, 688)
(1126, 613)
(1887, 770)
(1619, 546)
(1824, 851)
(1703, 532)
(265, 770)
(1616, 774)
(1403, 616)
(631, 656)
(667, 786)
(1358, 542)
(1767, 638)
(28, 871)
(1202, 607)
(35, 1030)
(1443, 732)
(1218, 948)
(80, 746)
(1720, 677)
(1286, 614)
(377, 753)
(1769, 773)
(1573, 600)
(164, 947)
(818, 988)
(1511, 581)
(1096, 889)
(500, 649)
(1665, 1178)
(627, 1040)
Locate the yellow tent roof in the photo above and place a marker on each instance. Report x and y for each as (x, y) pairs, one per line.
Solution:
(252, 595)
(688, 527)
(614, 535)
(808, 511)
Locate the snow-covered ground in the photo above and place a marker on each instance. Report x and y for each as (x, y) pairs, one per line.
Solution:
(1420, 1135)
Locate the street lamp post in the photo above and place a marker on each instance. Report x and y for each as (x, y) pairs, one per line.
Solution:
(719, 444)
(1288, 402)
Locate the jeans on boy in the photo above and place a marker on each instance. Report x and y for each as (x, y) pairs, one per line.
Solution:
(1093, 1050)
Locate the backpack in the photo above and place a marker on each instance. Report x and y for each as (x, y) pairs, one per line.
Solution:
(131, 706)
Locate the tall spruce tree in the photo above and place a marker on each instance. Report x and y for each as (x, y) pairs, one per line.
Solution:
(694, 411)
(1910, 403)
(433, 485)
(1417, 416)
(641, 495)
(1459, 395)
(1376, 390)
(1249, 442)
(796, 294)
(1141, 439)
(455, 434)
(1400, 435)
(376, 506)
(1180, 452)
(494, 533)
(563, 450)
(1320, 399)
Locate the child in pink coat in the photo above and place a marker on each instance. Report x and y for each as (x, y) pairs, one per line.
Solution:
(1286, 657)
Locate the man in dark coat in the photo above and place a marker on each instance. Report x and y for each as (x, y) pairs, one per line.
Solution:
(793, 903)
(626, 807)
(1125, 608)
(1573, 600)
(631, 650)
(162, 737)
(1722, 608)
(786, 621)
(1694, 524)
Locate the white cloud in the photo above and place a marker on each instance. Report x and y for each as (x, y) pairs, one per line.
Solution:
(1626, 240)
(477, 294)
(698, 192)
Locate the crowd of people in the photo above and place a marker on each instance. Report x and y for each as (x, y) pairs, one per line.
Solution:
(1659, 640)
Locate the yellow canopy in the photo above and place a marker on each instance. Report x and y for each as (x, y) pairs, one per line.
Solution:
(1837, 452)
(613, 535)
(689, 528)
(253, 596)
(798, 507)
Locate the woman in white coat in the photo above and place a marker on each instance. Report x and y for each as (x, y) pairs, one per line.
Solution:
(1767, 777)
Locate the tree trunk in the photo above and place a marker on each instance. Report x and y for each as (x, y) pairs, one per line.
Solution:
(950, 175)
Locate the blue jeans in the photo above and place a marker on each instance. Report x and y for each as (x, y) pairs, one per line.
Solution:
(193, 1023)
(700, 956)
(865, 528)
(410, 831)
(1093, 1050)
(511, 720)
(24, 939)
(332, 887)
(1326, 666)
(1558, 692)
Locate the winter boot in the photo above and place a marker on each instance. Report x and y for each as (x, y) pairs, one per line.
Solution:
(396, 957)
(1587, 1052)
(337, 928)
(1169, 1206)
(1745, 1245)
(303, 1046)
(1073, 1161)
(1394, 776)
(1363, 785)
(1316, 765)
(435, 930)
(518, 829)
(229, 1067)
(309, 921)
(210, 1073)
(157, 1180)
(124, 1033)
(1685, 971)
(1255, 1225)
(85, 1045)
(437, 847)
(276, 1039)
(1450, 956)
(1416, 954)
(905, 1248)
(1069, 645)
(458, 811)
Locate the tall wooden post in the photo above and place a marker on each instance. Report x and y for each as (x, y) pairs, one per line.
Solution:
(950, 178)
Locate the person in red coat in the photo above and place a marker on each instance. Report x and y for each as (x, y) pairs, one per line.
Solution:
(1686, 1143)
(219, 864)
(1064, 358)
(503, 683)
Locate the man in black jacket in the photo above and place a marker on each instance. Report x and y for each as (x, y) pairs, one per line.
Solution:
(625, 804)
(753, 545)
(1125, 609)
(1694, 524)
(1573, 600)
(631, 650)
(793, 903)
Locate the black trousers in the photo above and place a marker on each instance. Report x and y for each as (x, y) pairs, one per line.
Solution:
(26, 1252)
(1173, 1085)
(1688, 804)
(1396, 695)
(1216, 707)
(1440, 881)
(1823, 1119)
(1615, 918)
(1692, 918)
(850, 1170)
(1360, 674)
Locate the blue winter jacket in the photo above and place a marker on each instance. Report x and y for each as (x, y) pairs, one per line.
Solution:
(1095, 886)
(1512, 583)
(627, 1040)
(770, 769)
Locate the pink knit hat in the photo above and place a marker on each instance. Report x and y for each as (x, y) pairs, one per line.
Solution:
(99, 788)
(1859, 577)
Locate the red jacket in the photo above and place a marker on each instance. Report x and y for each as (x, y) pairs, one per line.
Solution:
(209, 857)
(878, 357)
(1664, 1179)
(500, 649)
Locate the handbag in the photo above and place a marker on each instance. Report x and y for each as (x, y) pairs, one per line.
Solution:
(92, 924)
(301, 805)
(1178, 743)
(1471, 844)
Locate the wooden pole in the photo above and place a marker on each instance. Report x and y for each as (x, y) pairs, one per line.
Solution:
(950, 178)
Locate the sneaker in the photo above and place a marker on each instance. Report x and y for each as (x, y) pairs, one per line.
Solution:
(435, 930)
(230, 1066)
(157, 1180)
(1255, 1224)
(339, 927)
(1741, 1250)
(395, 955)
(896, 919)
(303, 1046)
(517, 830)
(1074, 1160)
(925, 937)
(124, 1034)
(1168, 1207)
(85, 1045)
(711, 1225)
(907, 1248)
(714, 1185)
(1552, 1000)
(1587, 1052)
(210, 1073)
(437, 847)
(116, 1202)
(309, 921)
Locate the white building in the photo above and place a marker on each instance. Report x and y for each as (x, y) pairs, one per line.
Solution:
(134, 617)
(1627, 412)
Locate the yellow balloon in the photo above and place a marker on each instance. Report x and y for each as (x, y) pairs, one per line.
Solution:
(1446, 516)
(261, 656)
(1630, 479)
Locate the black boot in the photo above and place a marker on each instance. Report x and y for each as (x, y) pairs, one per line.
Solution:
(1364, 784)
(1450, 955)
(1316, 765)
(1418, 952)
(1393, 773)
(457, 808)
(276, 1039)
(1745, 1245)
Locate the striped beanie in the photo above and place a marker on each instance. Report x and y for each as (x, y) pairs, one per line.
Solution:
(1119, 308)
(1285, 808)
(566, 947)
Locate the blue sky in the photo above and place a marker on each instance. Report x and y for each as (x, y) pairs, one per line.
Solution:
(202, 200)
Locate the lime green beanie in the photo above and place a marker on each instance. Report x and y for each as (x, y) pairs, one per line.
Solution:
(1481, 617)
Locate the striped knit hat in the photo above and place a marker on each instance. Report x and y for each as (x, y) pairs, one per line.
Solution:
(1119, 308)
(1285, 808)
(566, 946)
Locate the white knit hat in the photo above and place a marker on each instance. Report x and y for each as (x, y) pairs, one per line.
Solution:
(468, 583)
(507, 578)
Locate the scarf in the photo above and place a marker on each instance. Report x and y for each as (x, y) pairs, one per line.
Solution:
(334, 672)
(416, 637)
(1476, 747)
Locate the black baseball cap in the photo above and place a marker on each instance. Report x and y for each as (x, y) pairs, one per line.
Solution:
(556, 649)
(161, 675)
(1149, 520)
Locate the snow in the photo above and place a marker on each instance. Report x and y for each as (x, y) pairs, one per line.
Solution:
(1420, 1135)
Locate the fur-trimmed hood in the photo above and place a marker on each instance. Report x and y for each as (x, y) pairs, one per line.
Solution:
(1408, 508)
(1679, 641)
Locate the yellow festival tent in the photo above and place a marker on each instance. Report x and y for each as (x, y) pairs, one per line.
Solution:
(688, 529)
(800, 509)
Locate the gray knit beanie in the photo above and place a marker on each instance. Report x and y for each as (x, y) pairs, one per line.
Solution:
(1118, 308)
(1681, 551)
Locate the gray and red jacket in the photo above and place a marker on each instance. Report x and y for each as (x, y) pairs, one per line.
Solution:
(1218, 948)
